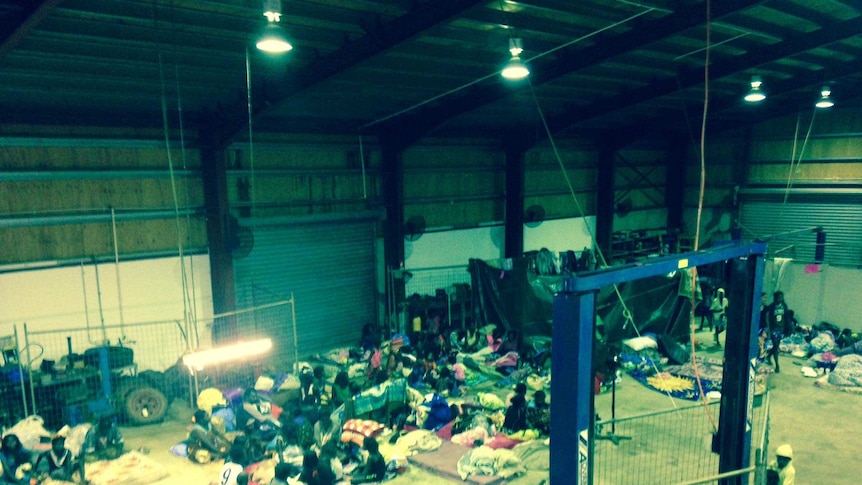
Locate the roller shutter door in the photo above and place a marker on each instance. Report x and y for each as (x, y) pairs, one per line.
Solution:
(842, 223)
(327, 264)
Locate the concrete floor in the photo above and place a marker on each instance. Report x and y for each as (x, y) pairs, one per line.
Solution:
(822, 425)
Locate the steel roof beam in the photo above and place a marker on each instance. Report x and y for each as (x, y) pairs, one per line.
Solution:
(378, 40)
(569, 60)
(19, 25)
(692, 77)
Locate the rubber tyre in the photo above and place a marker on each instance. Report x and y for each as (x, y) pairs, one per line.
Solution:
(145, 405)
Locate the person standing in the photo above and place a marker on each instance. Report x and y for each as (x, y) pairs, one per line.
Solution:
(718, 308)
(776, 314)
(784, 466)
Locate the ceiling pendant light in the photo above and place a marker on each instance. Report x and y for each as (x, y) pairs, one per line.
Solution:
(515, 69)
(755, 95)
(825, 100)
(273, 38)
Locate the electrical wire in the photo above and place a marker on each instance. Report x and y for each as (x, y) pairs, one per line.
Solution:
(627, 314)
(496, 73)
(694, 279)
(167, 137)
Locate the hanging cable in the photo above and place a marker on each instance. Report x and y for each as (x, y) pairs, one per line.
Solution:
(701, 192)
(626, 312)
(496, 73)
(167, 137)
(795, 167)
(189, 301)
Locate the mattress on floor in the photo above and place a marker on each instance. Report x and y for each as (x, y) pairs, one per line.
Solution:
(444, 462)
(132, 468)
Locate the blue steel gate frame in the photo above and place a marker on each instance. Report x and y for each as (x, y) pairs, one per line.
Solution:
(572, 406)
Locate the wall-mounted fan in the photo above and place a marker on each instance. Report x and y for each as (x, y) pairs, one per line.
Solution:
(414, 228)
(239, 240)
(534, 216)
(623, 207)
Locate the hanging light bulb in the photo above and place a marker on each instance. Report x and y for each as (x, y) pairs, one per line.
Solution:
(756, 94)
(273, 39)
(825, 100)
(515, 69)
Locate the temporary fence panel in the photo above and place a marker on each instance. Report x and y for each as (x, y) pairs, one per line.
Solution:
(665, 447)
(329, 266)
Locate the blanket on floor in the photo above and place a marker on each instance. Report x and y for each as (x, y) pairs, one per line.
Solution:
(132, 468)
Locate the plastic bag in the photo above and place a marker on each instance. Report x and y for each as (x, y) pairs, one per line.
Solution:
(30, 432)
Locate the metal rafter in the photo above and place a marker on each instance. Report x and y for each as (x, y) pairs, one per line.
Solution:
(692, 77)
(18, 26)
(568, 60)
(378, 40)
(630, 134)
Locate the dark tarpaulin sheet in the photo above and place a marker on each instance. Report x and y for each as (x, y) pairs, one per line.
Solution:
(513, 296)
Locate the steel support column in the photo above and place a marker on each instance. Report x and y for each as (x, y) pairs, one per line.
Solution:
(214, 175)
(605, 197)
(740, 359)
(572, 406)
(514, 225)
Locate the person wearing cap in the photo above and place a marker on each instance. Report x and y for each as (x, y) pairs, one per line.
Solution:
(56, 463)
(783, 465)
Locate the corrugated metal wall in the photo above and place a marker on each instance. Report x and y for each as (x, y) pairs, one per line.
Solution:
(841, 221)
(329, 267)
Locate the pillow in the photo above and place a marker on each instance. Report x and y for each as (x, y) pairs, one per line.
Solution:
(640, 343)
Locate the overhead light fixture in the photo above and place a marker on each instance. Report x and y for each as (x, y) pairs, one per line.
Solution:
(515, 69)
(199, 360)
(273, 39)
(755, 95)
(825, 100)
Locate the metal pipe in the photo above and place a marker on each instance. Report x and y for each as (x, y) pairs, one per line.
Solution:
(86, 305)
(57, 220)
(802, 191)
(295, 338)
(90, 175)
(117, 263)
(101, 313)
(714, 478)
(29, 374)
(21, 368)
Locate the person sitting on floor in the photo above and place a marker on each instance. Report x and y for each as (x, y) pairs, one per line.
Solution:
(310, 462)
(516, 415)
(56, 463)
(206, 442)
(15, 462)
(341, 390)
(282, 473)
(255, 419)
(374, 468)
(539, 413)
(104, 440)
(325, 428)
(233, 468)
